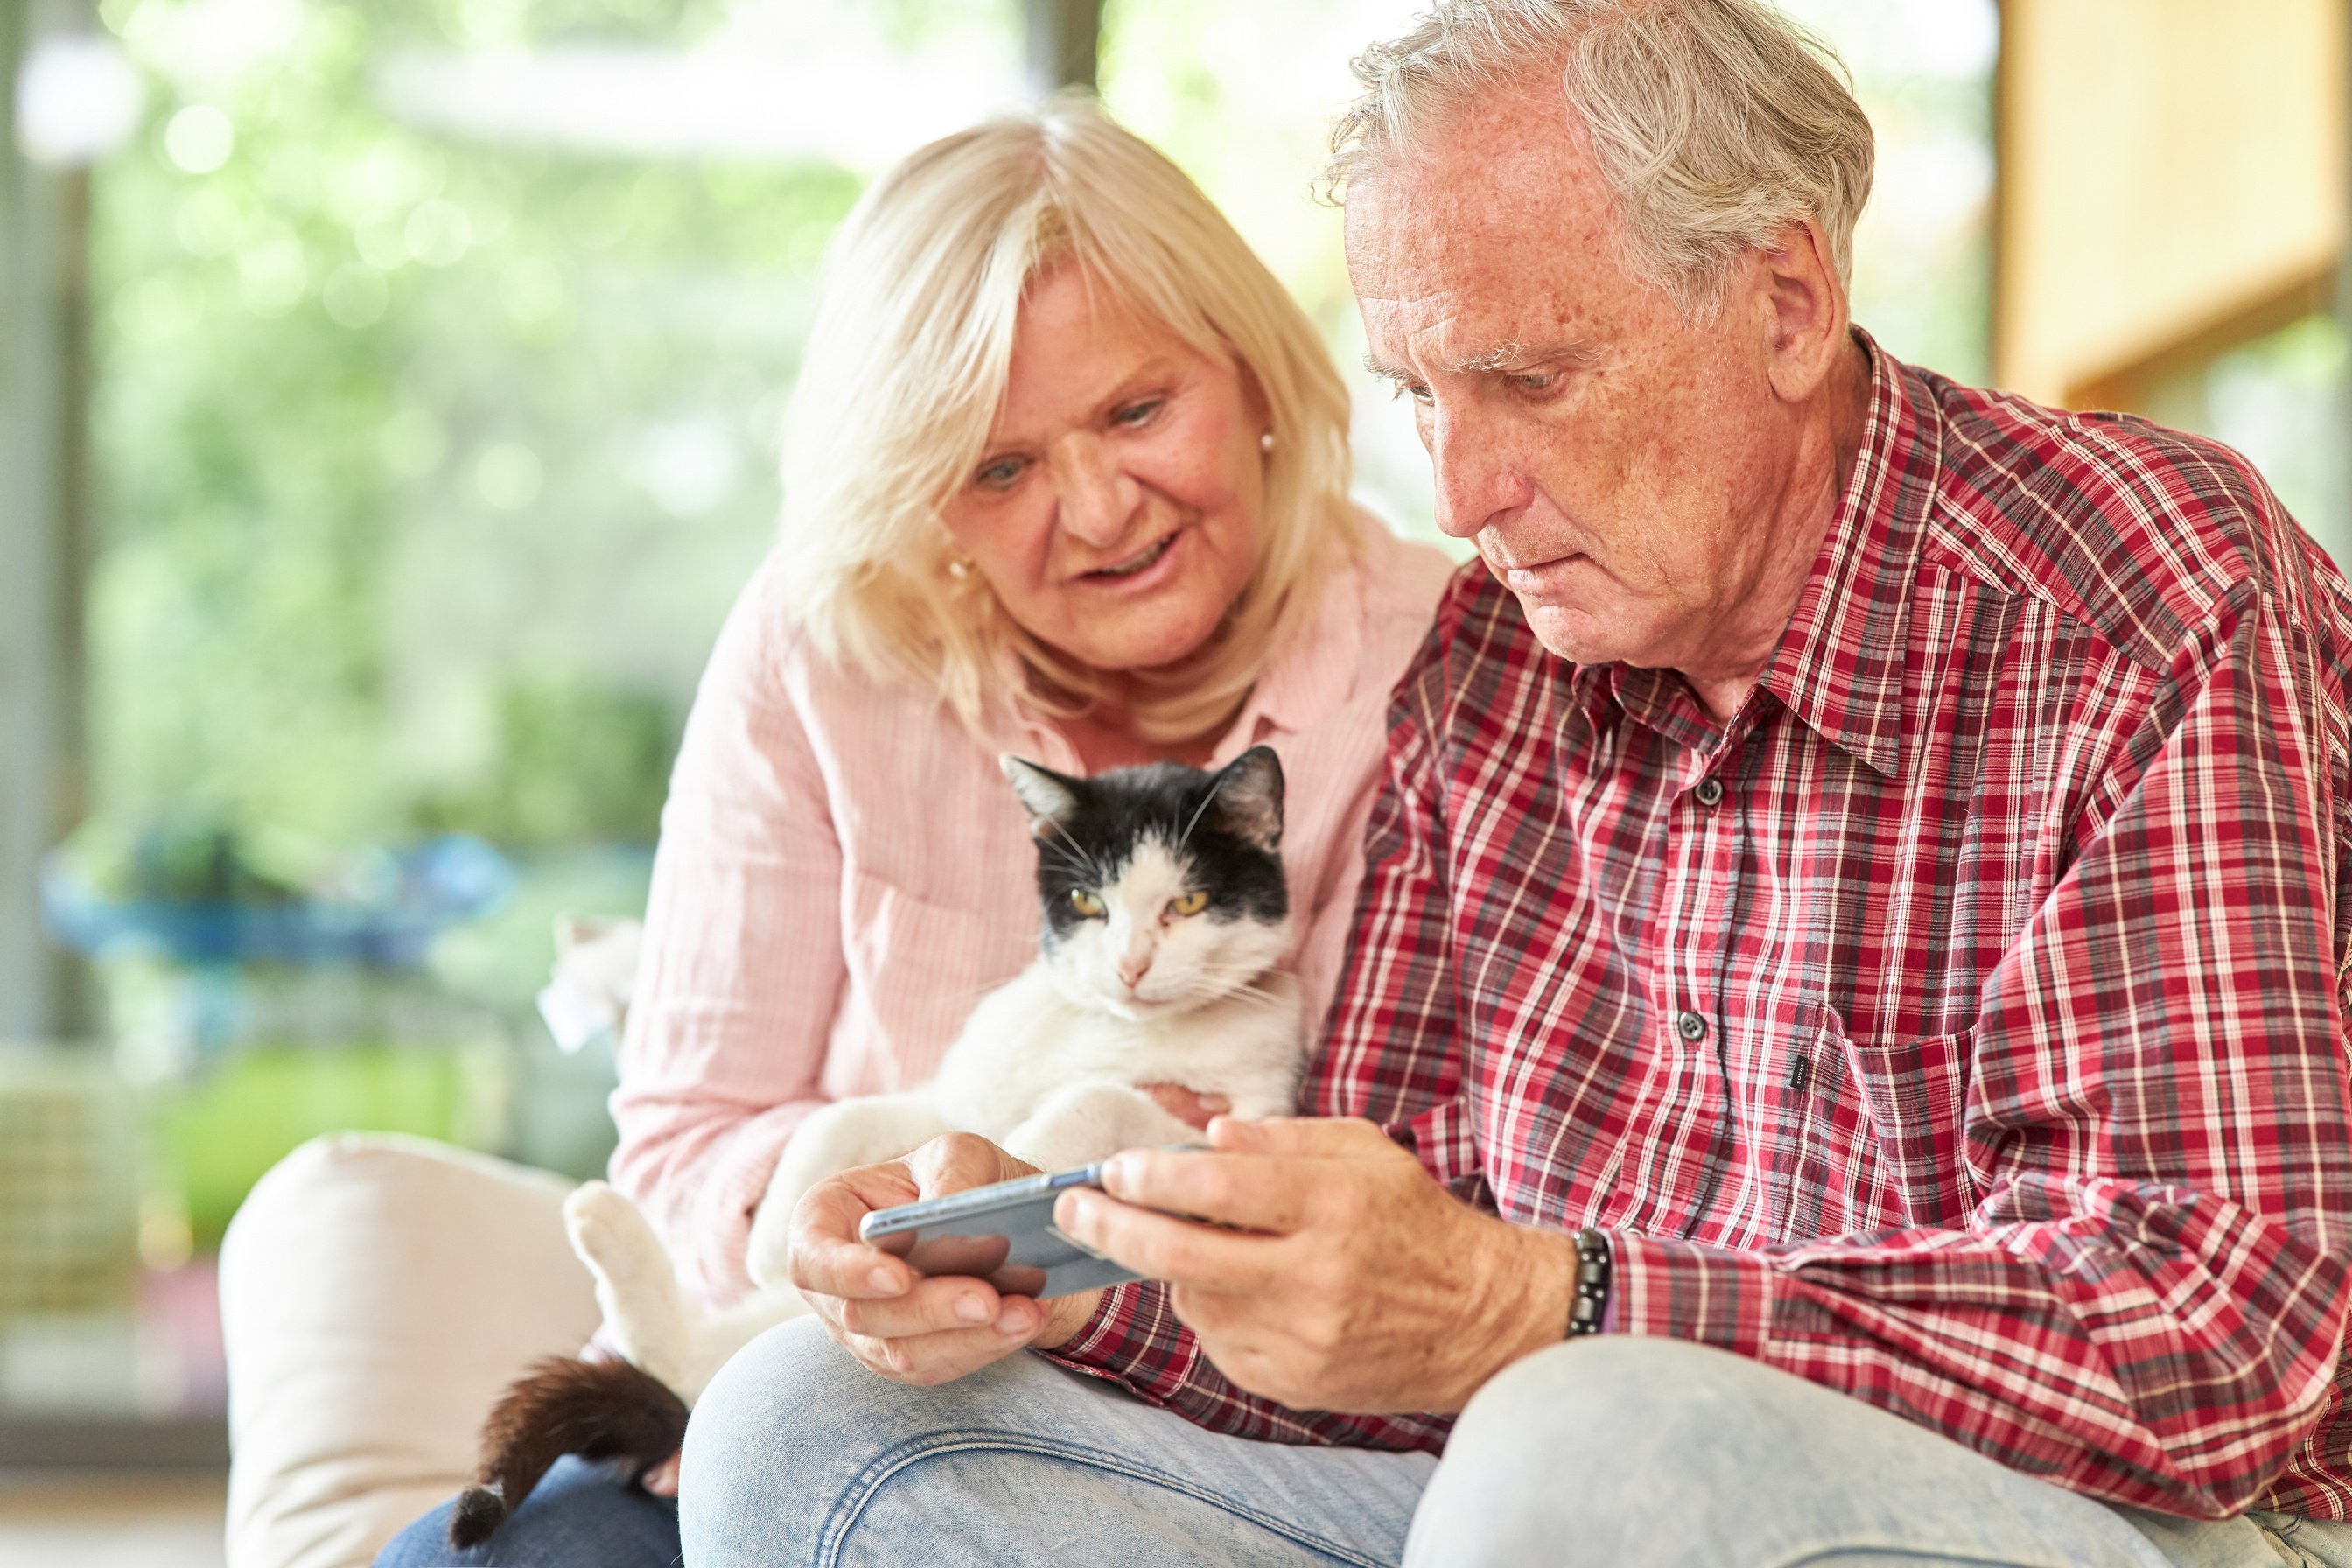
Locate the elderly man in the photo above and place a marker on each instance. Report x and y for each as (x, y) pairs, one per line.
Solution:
(1842, 1054)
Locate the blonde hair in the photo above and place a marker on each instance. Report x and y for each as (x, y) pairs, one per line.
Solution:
(1716, 123)
(908, 360)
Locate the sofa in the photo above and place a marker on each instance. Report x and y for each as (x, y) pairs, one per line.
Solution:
(377, 1293)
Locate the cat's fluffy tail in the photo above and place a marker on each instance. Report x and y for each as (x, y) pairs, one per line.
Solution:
(596, 1409)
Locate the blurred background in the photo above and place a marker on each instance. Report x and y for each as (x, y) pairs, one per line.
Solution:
(389, 401)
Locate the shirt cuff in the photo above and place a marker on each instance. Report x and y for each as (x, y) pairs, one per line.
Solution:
(1684, 1290)
(1107, 1329)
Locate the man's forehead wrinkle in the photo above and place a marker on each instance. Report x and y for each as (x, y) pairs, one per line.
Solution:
(1441, 303)
(1513, 170)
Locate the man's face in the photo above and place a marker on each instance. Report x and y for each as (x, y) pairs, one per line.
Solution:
(1613, 460)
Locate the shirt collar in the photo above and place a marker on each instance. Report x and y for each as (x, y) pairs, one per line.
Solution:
(1839, 664)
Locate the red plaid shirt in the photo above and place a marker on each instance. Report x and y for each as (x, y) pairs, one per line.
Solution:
(1959, 1026)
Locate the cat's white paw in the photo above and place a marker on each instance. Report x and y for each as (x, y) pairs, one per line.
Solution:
(1083, 1122)
(635, 1285)
(608, 1231)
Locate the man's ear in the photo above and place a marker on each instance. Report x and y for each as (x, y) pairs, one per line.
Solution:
(1249, 797)
(1806, 312)
(1051, 797)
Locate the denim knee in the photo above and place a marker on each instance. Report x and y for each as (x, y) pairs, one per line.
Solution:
(1613, 1407)
(793, 1431)
(773, 1395)
(1653, 1450)
(1636, 1440)
(796, 1454)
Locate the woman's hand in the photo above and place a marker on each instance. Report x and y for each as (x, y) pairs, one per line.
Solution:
(908, 1328)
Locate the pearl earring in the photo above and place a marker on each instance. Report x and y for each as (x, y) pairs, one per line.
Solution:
(1266, 442)
(959, 569)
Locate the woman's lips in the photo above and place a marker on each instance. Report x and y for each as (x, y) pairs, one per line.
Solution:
(1136, 567)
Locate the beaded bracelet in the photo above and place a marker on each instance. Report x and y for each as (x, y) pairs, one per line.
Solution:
(1592, 1302)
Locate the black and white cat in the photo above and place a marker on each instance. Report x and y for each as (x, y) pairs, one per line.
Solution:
(1165, 915)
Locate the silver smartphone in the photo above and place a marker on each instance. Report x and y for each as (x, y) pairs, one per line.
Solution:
(1003, 1234)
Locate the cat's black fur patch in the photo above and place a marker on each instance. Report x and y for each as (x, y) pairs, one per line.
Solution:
(1226, 827)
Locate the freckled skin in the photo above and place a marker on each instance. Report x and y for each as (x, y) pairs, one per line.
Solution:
(1652, 488)
(1113, 433)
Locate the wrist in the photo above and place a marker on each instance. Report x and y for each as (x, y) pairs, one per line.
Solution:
(1066, 1316)
(1535, 1286)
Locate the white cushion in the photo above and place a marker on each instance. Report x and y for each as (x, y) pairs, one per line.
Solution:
(377, 1293)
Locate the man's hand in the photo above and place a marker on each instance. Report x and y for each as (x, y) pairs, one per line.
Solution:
(908, 1328)
(1355, 1282)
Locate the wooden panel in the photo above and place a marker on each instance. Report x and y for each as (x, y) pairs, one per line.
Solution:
(2166, 167)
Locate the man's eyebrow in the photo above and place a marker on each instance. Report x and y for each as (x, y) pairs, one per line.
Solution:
(1518, 352)
(1514, 353)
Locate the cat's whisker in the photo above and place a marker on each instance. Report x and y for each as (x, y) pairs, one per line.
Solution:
(1207, 801)
(1078, 850)
(1075, 857)
(1239, 968)
(1065, 861)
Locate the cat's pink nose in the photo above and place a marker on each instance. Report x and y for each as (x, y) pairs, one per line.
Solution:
(1133, 968)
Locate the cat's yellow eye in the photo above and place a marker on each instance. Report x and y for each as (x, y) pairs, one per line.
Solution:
(1086, 903)
(1191, 903)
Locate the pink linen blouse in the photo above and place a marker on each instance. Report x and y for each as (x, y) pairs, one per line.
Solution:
(844, 873)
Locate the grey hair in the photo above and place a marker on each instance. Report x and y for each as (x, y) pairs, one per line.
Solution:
(1716, 123)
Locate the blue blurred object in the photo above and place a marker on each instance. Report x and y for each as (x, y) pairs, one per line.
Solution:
(429, 889)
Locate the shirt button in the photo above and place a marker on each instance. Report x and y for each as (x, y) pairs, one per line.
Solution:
(1709, 791)
(1690, 1026)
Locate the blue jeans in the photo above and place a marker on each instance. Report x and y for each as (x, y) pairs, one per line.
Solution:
(579, 1516)
(1602, 1451)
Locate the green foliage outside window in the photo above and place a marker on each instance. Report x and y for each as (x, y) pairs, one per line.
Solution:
(427, 469)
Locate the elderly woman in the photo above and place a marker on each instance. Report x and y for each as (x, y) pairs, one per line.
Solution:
(1066, 475)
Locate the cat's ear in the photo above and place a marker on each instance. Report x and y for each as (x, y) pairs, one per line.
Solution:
(1050, 796)
(1249, 797)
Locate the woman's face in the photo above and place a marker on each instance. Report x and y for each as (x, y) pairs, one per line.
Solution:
(1115, 511)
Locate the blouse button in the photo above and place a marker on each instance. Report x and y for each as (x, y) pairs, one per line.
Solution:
(1709, 791)
(1690, 1026)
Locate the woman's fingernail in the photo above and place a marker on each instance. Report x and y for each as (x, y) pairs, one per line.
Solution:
(886, 1280)
(1217, 1103)
(971, 1309)
(1115, 1171)
(1013, 1320)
